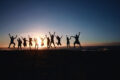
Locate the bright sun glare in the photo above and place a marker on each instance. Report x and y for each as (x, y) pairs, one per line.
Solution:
(39, 41)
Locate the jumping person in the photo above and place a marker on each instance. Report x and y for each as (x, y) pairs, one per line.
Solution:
(12, 38)
(42, 41)
(68, 41)
(59, 40)
(52, 39)
(30, 41)
(36, 43)
(48, 41)
(24, 42)
(76, 40)
(19, 43)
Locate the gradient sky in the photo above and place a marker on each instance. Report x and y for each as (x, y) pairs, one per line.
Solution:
(97, 20)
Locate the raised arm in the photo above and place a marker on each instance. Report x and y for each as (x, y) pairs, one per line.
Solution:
(79, 34)
(15, 37)
(9, 35)
(72, 36)
(54, 33)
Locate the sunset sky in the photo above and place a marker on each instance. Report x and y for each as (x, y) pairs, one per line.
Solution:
(97, 20)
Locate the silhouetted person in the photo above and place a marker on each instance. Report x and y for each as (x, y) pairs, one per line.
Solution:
(30, 41)
(76, 40)
(68, 41)
(52, 39)
(36, 43)
(59, 40)
(48, 41)
(19, 43)
(42, 41)
(12, 38)
(24, 42)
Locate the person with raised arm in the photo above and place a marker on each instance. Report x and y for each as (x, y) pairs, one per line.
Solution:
(52, 39)
(30, 41)
(12, 38)
(19, 43)
(59, 40)
(68, 41)
(36, 43)
(42, 41)
(24, 41)
(76, 39)
(48, 41)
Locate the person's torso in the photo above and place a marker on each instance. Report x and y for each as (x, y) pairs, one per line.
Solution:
(77, 38)
(12, 40)
(52, 38)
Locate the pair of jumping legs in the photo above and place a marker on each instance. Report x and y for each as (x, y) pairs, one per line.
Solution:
(51, 44)
(78, 44)
(11, 44)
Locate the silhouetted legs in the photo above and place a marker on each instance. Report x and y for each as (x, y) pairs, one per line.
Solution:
(78, 44)
(30, 44)
(36, 46)
(58, 43)
(68, 45)
(68, 41)
(48, 41)
(36, 43)
(19, 47)
(52, 43)
(19, 43)
(11, 44)
(48, 44)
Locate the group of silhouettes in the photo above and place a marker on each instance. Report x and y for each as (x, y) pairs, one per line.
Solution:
(50, 41)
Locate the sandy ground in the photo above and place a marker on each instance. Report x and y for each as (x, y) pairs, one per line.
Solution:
(60, 64)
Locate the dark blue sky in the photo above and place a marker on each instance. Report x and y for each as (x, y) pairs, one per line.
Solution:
(98, 20)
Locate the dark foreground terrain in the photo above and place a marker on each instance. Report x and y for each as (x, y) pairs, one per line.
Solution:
(58, 65)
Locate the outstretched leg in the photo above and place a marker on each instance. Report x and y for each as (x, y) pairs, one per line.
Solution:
(60, 44)
(50, 45)
(54, 44)
(9, 45)
(14, 45)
